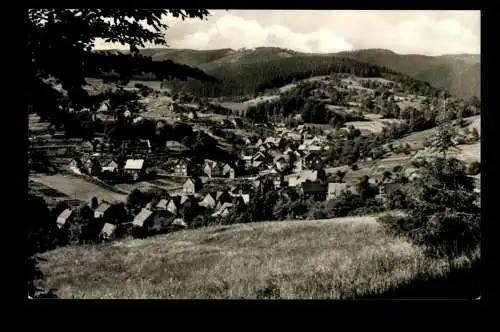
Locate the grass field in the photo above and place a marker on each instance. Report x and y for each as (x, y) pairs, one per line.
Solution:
(418, 138)
(77, 188)
(336, 259)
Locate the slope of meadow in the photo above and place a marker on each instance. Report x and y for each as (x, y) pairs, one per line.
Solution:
(337, 259)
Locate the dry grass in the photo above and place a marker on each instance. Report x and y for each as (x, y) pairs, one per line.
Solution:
(77, 188)
(334, 259)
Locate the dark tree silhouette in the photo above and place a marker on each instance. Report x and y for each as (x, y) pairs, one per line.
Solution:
(60, 43)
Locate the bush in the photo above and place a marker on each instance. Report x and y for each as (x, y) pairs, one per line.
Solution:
(474, 168)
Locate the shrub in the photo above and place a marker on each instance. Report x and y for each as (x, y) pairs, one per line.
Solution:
(474, 168)
(443, 215)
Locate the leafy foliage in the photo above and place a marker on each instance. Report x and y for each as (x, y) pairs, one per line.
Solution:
(60, 43)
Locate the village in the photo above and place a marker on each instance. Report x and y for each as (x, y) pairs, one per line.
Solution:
(291, 159)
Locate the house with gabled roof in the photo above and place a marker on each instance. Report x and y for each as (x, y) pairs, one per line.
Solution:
(111, 166)
(189, 187)
(181, 168)
(228, 172)
(101, 210)
(185, 198)
(108, 231)
(64, 217)
(309, 175)
(224, 210)
(316, 190)
(179, 222)
(212, 168)
(134, 167)
(259, 143)
(313, 160)
(208, 201)
(293, 180)
(143, 219)
(172, 206)
(162, 204)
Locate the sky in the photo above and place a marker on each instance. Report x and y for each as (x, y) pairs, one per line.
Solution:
(429, 32)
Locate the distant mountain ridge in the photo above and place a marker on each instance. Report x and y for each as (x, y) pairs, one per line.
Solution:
(458, 73)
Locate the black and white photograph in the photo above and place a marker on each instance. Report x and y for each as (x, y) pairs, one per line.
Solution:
(253, 154)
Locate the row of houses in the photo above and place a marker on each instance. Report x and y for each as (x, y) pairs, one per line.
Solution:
(95, 164)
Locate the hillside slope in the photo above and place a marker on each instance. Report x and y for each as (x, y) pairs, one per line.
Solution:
(459, 74)
(336, 258)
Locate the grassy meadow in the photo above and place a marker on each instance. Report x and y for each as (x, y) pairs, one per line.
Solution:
(341, 258)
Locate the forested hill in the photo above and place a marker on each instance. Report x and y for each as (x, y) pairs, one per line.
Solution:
(245, 76)
(458, 74)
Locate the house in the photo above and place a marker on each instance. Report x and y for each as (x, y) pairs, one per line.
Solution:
(313, 160)
(315, 190)
(162, 204)
(272, 175)
(314, 148)
(91, 166)
(247, 141)
(185, 198)
(336, 189)
(143, 218)
(212, 168)
(75, 165)
(179, 222)
(146, 143)
(298, 166)
(308, 175)
(134, 167)
(171, 206)
(259, 142)
(208, 201)
(262, 156)
(111, 167)
(241, 198)
(228, 172)
(294, 181)
(101, 210)
(108, 231)
(224, 210)
(189, 187)
(181, 168)
(64, 217)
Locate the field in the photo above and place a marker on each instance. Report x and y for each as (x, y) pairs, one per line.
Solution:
(467, 152)
(51, 196)
(417, 138)
(336, 259)
(77, 188)
(373, 126)
(145, 185)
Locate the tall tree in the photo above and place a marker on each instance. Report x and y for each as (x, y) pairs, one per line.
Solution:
(445, 138)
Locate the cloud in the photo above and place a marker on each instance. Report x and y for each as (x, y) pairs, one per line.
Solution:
(434, 37)
(404, 32)
(231, 31)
